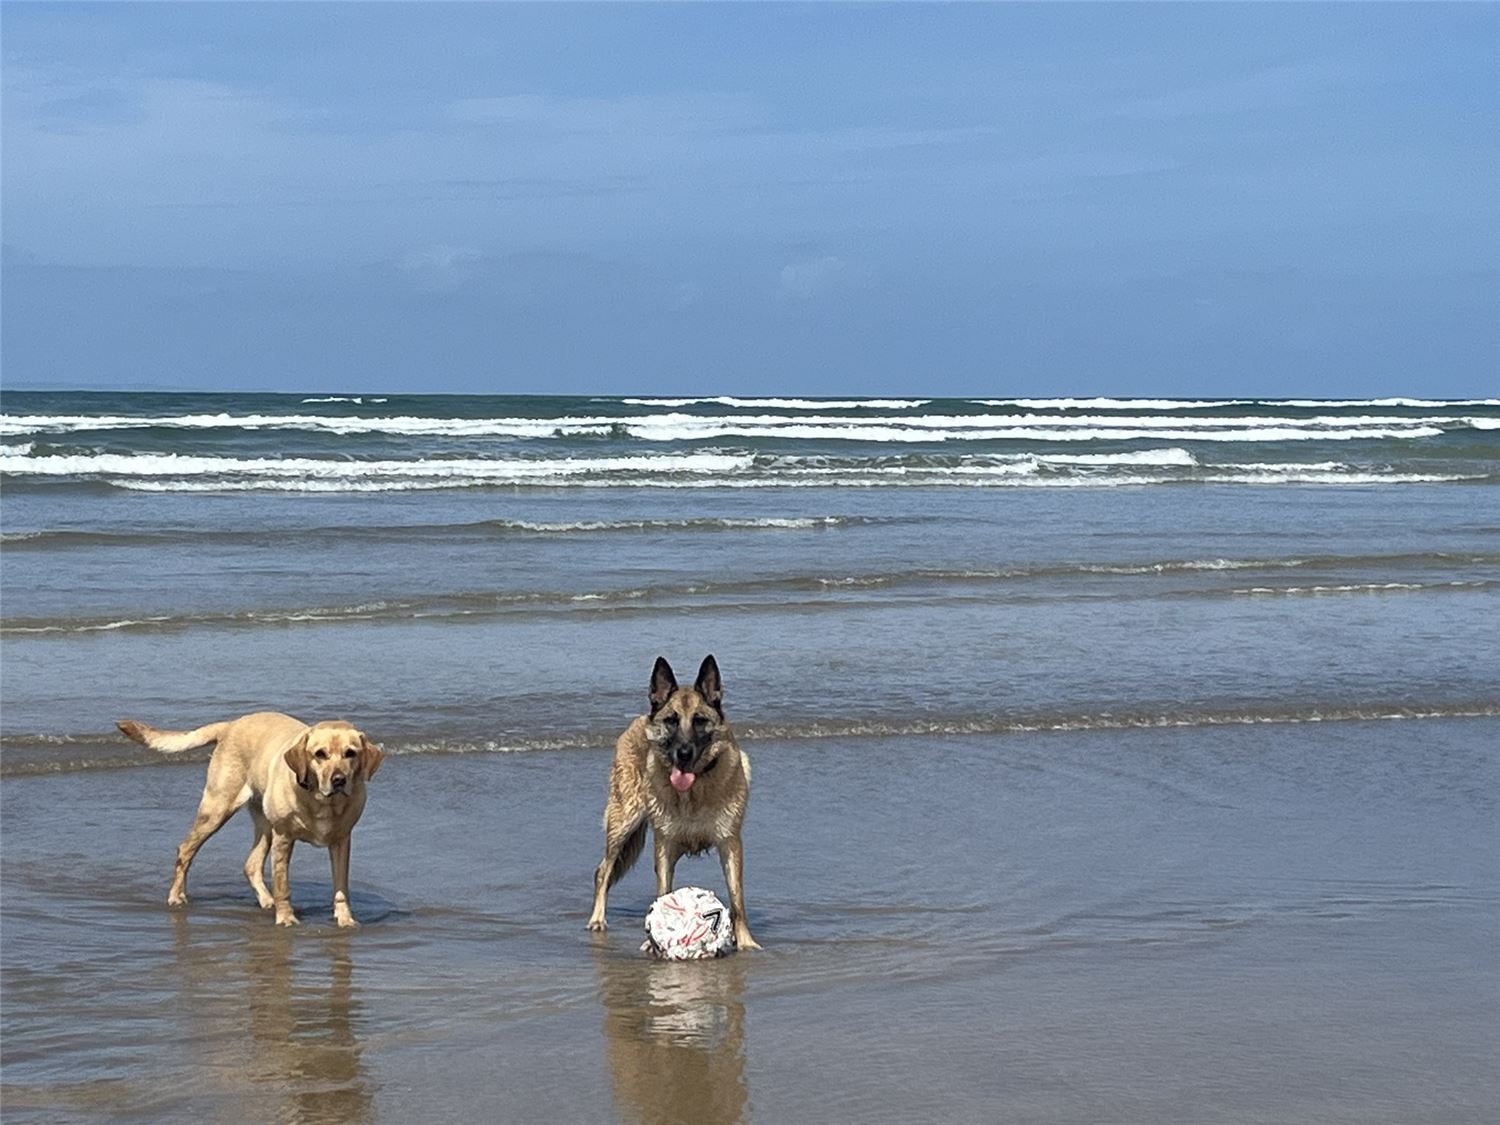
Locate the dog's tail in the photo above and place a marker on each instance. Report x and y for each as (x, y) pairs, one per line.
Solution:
(630, 851)
(172, 741)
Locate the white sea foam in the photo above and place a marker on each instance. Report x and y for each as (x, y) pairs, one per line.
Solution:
(675, 426)
(494, 471)
(786, 403)
(707, 468)
(1105, 403)
(1141, 457)
(778, 523)
(1112, 403)
(1359, 588)
(1291, 475)
(1417, 403)
(337, 424)
(932, 430)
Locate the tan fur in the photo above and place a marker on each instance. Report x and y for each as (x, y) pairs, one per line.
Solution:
(708, 815)
(300, 782)
(675, 1039)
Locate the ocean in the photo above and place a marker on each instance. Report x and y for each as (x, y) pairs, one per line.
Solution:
(1115, 759)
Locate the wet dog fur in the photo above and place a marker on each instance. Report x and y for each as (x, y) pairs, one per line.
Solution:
(678, 770)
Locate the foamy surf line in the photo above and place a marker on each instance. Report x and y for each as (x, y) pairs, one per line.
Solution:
(676, 426)
(31, 755)
(28, 463)
(301, 468)
(172, 472)
(783, 403)
(993, 478)
(1224, 403)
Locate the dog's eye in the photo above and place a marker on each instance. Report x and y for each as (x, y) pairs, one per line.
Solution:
(321, 754)
(670, 720)
(348, 753)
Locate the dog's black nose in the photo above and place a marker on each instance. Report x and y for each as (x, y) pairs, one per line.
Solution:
(684, 755)
(336, 781)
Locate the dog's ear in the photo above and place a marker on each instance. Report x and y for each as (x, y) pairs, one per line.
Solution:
(708, 684)
(300, 761)
(663, 683)
(370, 757)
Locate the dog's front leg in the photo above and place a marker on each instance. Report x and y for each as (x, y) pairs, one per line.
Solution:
(338, 856)
(667, 855)
(731, 857)
(624, 836)
(281, 878)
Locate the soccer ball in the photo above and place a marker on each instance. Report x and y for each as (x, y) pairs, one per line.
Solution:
(690, 924)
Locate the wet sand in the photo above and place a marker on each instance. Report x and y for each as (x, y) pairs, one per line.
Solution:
(1259, 923)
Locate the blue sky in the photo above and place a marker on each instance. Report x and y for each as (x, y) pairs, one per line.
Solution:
(969, 199)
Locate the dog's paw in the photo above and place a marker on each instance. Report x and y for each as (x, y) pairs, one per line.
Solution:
(346, 923)
(288, 920)
(266, 903)
(747, 942)
(598, 925)
(177, 898)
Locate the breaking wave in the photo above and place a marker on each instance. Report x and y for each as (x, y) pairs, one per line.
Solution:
(678, 426)
(174, 472)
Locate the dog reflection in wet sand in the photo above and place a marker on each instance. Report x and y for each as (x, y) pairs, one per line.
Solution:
(678, 770)
(300, 782)
(675, 1039)
(303, 1023)
(272, 1028)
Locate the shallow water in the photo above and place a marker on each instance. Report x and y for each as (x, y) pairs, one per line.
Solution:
(1251, 923)
(1113, 761)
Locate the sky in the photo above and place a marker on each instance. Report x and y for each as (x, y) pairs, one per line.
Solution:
(969, 199)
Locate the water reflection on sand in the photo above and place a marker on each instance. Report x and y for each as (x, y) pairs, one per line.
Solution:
(296, 1050)
(675, 1038)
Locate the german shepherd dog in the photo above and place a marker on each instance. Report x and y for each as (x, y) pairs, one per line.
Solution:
(678, 769)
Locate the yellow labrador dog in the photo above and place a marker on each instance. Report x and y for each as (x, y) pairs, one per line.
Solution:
(301, 783)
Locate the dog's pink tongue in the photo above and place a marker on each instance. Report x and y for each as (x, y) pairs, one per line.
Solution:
(682, 781)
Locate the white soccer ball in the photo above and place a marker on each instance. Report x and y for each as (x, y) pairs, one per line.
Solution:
(690, 924)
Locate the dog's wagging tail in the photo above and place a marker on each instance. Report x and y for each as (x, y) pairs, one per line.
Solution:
(171, 741)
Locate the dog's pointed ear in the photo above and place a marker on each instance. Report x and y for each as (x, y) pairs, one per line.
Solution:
(663, 683)
(299, 761)
(708, 684)
(370, 757)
